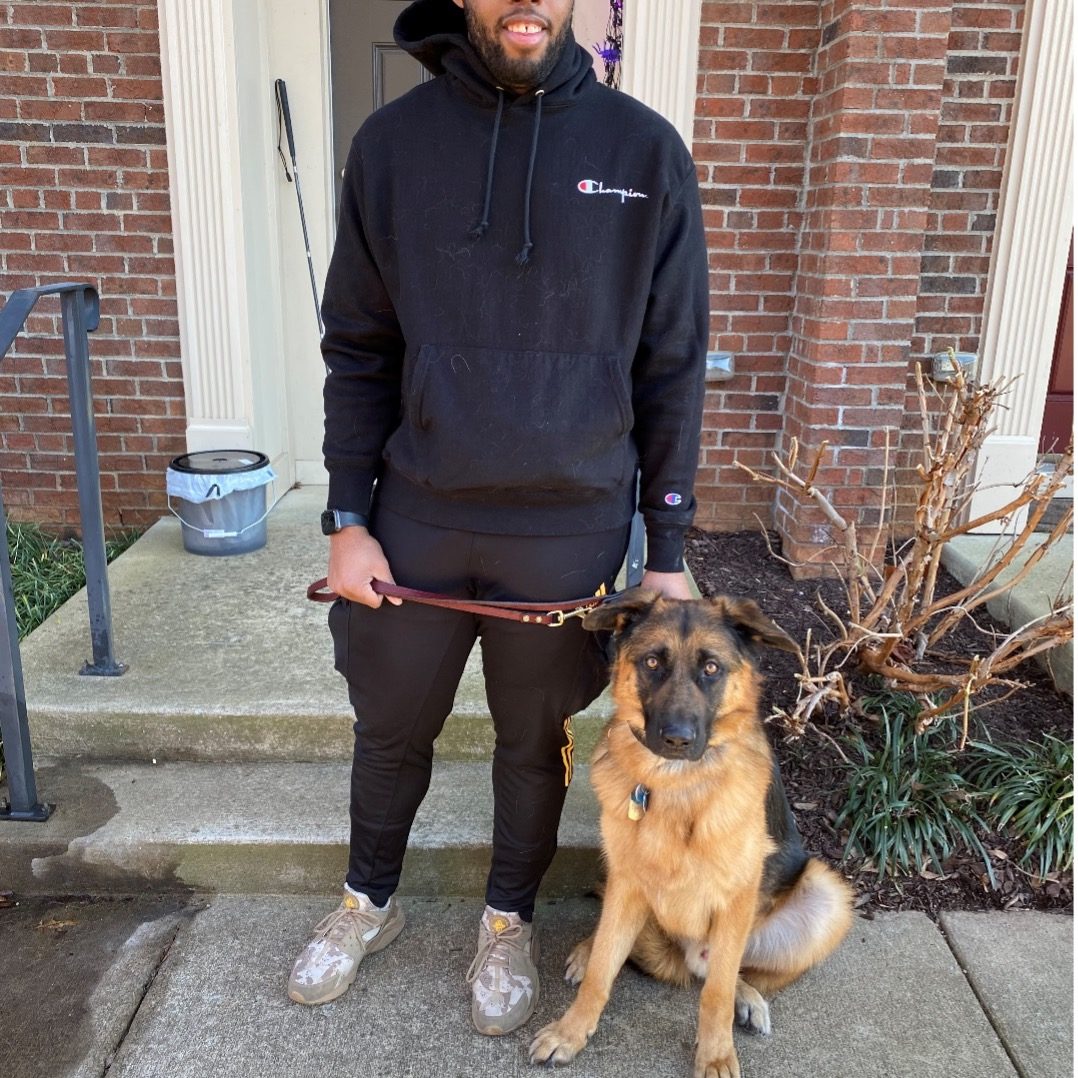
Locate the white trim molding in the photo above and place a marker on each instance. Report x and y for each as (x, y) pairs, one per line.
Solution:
(1029, 256)
(662, 57)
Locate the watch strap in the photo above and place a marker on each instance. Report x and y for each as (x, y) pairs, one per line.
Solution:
(343, 518)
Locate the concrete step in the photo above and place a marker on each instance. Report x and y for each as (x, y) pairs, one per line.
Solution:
(227, 660)
(265, 730)
(260, 828)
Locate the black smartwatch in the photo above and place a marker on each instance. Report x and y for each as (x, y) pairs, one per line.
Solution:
(333, 520)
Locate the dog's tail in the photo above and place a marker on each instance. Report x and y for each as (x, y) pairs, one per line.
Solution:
(804, 926)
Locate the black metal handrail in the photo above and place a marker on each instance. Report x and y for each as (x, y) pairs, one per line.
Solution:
(80, 308)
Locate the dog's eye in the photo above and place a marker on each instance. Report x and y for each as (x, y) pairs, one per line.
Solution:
(652, 662)
(711, 668)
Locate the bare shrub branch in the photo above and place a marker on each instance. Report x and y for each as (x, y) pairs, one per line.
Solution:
(895, 619)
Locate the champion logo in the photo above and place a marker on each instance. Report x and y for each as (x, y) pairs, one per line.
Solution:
(672, 499)
(597, 187)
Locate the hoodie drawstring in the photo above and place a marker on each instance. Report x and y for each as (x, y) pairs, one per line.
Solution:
(484, 224)
(525, 251)
(477, 232)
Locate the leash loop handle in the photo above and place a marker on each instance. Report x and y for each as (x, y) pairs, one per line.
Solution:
(318, 592)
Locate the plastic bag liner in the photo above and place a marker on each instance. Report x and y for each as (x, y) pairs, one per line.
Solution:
(221, 499)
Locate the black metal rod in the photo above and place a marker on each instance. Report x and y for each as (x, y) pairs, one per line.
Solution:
(634, 555)
(14, 727)
(282, 101)
(78, 308)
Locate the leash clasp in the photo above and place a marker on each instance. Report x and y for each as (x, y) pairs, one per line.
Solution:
(558, 617)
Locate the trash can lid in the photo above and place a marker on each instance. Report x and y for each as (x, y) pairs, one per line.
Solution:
(220, 461)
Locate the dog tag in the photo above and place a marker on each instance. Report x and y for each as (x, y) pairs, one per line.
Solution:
(638, 802)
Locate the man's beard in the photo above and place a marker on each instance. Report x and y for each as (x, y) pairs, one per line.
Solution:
(516, 74)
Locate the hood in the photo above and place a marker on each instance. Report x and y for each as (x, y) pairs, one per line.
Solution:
(435, 33)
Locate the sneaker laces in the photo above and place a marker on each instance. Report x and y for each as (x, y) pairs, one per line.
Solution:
(336, 926)
(495, 950)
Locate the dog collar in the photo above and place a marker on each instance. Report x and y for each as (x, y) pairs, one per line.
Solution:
(638, 801)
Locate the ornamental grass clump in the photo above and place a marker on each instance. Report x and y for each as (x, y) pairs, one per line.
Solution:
(1028, 794)
(908, 805)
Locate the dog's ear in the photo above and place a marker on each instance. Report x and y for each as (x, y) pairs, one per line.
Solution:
(752, 624)
(620, 611)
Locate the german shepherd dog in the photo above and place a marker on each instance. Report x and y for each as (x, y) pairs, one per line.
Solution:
(706, 874)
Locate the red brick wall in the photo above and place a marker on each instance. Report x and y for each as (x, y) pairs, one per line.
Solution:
(975, 116)
(978, 99)
(84, 196)
(849, 155)
(755, 92)
(872, 143)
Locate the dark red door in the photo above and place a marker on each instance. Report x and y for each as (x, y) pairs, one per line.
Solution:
(1058, 422)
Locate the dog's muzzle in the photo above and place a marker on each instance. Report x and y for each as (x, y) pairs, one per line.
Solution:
(676, 739)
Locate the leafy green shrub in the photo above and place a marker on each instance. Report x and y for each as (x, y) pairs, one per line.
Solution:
(907, 801)
(913, 799)
(1028, 793)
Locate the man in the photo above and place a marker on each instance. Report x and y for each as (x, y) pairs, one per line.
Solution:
(515, 325)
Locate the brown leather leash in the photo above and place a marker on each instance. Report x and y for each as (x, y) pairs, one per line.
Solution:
(550, 614)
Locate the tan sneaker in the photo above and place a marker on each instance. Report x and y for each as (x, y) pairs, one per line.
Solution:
(504, 980)
(328, 964)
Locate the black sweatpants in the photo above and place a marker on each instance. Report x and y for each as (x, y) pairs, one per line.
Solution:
(403, 665)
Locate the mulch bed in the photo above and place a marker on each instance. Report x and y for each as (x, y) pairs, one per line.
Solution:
(741, 564)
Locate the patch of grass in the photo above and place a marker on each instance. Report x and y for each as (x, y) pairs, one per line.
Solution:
(1028, 792)
(908, 804)
(46, 571)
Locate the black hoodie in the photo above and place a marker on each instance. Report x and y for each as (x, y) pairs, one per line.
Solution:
(516, 312)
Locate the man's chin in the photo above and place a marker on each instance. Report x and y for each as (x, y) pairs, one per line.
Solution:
(522, 75)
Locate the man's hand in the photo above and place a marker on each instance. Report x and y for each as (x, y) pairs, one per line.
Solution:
(355, 559)
(668, 585)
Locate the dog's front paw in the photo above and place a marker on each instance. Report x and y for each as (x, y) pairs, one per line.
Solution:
(752, 1009)
(577, 962)
(557, 1044)
(721, 1065)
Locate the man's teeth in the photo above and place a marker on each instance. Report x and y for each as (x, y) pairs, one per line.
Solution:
(524, 27)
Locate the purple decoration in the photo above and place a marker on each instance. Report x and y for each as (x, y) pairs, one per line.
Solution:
(609, 51)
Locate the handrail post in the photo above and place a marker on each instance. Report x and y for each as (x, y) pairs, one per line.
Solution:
(80, 313)
(81, 308)
(14, 728)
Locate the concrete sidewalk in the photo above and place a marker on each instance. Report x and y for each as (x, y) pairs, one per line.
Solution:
(145, 988)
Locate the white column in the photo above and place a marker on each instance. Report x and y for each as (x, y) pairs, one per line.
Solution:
(662, 56)
(198, 72)
(1029, 256)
